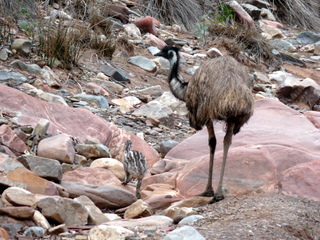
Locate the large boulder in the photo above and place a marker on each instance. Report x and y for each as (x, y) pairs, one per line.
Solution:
(14, 174)
(103, 196)
(275, 139)
(79, 123)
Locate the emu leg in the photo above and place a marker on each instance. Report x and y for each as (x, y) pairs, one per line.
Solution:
(127, 178)
(226, 144)
(212, 144)
(138, 188)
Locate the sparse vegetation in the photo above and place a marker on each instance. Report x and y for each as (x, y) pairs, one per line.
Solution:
(202, 28)
(301, 13)
(66, 43)
(224, 13)
(60, 43)
(242, 43)
(185, 13)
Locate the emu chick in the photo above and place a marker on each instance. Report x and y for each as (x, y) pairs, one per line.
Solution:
(135, 166)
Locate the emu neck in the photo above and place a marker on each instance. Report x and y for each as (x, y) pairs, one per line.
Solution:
(177, 85)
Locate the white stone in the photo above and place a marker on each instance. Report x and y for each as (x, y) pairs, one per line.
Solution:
(168, 100)
(40, 220)
(132, 31)
(18, 197)
(111, 164)
(101, 232)
(132, 100)
(50, 77)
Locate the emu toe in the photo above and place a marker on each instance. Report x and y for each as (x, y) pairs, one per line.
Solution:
(217, 198)
(207, 193)
(124, 183)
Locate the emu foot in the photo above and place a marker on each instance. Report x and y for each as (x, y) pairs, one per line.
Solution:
(207, 193)
(216, 198)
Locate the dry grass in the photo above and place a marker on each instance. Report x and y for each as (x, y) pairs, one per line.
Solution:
(242, 43)
(185, 13)
(66, 43)
(301, 13)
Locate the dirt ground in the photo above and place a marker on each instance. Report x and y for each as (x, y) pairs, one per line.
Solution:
(260, 216)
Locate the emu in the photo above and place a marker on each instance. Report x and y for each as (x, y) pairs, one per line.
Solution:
(135, 166)
(218, 91)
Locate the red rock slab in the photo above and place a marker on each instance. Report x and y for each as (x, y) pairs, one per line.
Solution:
(302, 180)
(10, 139)
(79, 123)
(275, 139)
(13, 173)
(148, 25)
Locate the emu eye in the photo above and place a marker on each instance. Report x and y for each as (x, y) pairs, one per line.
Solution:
(171, 53)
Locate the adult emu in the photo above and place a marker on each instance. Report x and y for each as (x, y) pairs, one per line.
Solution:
(219, 90)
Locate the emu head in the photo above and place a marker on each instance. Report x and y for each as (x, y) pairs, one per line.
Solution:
(169, 52)
(127, 145)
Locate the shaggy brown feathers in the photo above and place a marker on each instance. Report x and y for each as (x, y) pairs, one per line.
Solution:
(219, 90)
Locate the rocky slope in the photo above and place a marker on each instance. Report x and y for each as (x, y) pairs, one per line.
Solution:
(62, 135)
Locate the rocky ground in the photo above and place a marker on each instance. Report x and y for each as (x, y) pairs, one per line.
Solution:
(252, 216)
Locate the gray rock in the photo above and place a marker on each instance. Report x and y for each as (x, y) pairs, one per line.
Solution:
(184, 233)
(63, 210)
(153, 50)
(191, 71)
(259, 3)
(157, 111)
(281, 44)
(143, 63)
(267, 14)
(178, 107)
(4, 54)
(149, 223)
(294, 91)
(40, 130)
(190, 219)
(44, 167)
(49, 97)
(110, 86)
(35, 232)
(175, 41)
(98, 101)
(30, 68)
(95, 214)
(316, 58)
(254, 11)
(116, 74)
(154, 91)
(92, 151)
(60, 14)
(23, 46)
(167, 145)
(12, 77)
(105, 196)
(308, 37)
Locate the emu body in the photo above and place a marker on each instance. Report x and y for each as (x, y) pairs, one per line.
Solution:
(135, 166)
(219, 90)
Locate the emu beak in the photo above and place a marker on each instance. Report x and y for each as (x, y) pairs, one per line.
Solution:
(159, 54)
